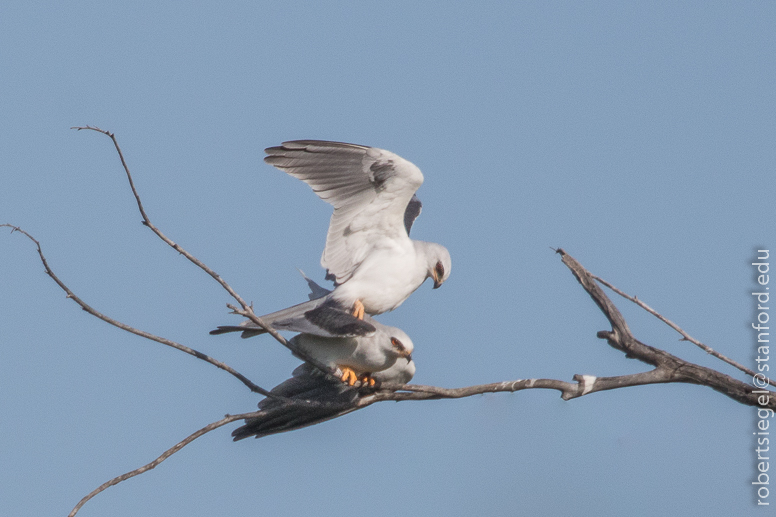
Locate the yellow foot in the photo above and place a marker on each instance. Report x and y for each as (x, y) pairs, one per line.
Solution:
(358, 310)
(349, 377)
(367, 380)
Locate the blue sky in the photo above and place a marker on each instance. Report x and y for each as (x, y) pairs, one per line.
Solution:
(638, 137)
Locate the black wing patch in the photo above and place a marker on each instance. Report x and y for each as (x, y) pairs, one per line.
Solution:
(247, 331)
(381, 172)
(334, 319)
(412, 212)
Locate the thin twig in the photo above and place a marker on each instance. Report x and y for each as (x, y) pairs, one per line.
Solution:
(169, 452)
(199, 355)
(675, 368)
(301, 354)
(247, 310)
(685, 335)
(147, 221)
(667, 368)
(398, 392)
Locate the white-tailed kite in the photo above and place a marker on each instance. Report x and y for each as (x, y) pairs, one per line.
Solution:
(357, 357)
(369, 255)
(312, 397)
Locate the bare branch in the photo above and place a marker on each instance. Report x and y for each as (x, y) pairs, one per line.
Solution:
(678, 370)
(147, 221)
(399, 392)
(667, 368)
(199, 355)
(169, 452)
(584, 385)
(247, 310)
(685, 335)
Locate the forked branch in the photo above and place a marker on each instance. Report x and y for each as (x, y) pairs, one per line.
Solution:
(666, 368)
(685, 335)
(86, 307)
(245, 310)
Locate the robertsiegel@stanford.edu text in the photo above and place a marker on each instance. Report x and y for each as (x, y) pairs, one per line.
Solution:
(761, 378)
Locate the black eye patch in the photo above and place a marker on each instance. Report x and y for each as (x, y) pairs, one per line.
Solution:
(398, 344)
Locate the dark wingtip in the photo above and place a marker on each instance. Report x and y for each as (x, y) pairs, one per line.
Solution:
(337, 321)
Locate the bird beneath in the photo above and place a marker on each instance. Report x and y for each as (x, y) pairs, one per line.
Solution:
(311, 397)
(368, 254)
(357, 357)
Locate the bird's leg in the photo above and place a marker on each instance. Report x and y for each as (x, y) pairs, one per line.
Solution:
(349, 377)
(358, 310)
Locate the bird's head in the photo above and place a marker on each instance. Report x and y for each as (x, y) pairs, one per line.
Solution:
(439, 264)
(401, 344)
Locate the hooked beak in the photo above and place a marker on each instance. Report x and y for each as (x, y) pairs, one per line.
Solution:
(437, 280)
(409, 358)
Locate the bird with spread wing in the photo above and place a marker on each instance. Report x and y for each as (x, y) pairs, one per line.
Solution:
(369, 255)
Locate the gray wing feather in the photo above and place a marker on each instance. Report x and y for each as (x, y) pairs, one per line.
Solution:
(337, 322)
(314, 398)
(412, 212)
(369, 189)
(320, 317)
(288, 315)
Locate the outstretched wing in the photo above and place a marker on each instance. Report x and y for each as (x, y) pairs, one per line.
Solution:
(369, 188)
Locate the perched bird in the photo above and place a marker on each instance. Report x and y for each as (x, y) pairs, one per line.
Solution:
(369, 255)
(314, 398)
(357, 357)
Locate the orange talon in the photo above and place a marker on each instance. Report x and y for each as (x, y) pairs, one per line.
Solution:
(358, 310)
(348, 375)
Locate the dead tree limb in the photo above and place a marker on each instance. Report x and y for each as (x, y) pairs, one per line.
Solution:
(667, 368)
(671, 367)
(245, 310)
(166, 454)
(86, 307)
(685, 335)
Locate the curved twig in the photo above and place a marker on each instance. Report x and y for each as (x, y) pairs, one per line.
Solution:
(199, 355)
(246, 310)
(667, 368)
(399, 392)
(147, 222)
(166, 454)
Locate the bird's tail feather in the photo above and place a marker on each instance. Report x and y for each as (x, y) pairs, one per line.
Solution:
(310, 398)
(274, 320)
